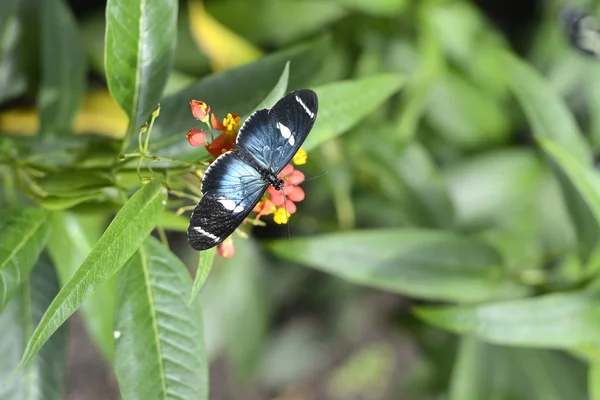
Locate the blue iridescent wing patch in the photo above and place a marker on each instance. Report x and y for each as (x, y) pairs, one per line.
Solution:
(230, 190)
(235, 182)
(274, 136)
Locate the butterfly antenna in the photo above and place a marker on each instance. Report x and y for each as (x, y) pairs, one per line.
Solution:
(316, 176)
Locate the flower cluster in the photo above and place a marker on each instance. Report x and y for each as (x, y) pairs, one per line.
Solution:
(279, 203)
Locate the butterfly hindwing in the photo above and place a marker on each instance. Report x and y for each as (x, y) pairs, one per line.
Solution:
(231, 188)
(274, 136)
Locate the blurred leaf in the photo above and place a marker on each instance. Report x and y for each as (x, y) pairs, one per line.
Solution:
(484, 371)
(583, 177)
(44, 378)
(101, 114)
(132, 224)
(224, 48)
(379, 8)
(426, 264)
(411, 180)
(464, 115)
(67, 182)
(12, 76)
(160, 343)
(73, 237)
(548, 115)
(251, 83)
(140, 42)
(58, 203)
(560, 320)
(278, 91)
(344, 104)
(172, 222)
(275, 22)
(98, 114)
(594, 381)
(205, 263)
(63, 81)
(23, 235)
(364, 374)
(236, 308)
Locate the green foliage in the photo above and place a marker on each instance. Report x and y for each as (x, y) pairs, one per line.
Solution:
(451, 245)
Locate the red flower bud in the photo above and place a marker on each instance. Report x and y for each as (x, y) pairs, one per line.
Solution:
(196, 137)
(200, 110)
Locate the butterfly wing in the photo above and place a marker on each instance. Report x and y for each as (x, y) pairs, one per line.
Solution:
(231, 188)
(272, 137)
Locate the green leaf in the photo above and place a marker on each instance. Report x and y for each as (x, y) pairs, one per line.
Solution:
(549, 117)
(251, 84)
(236, 308)
(140, 42)
(464, 115)
(205, 263)
(44, 377)
(380, 8)
(278, 91)
(132, 224)
(344, 104)
(423, 263)
(63, 78)
(172, 222)
(268, 24)
(23, 235)
(562, 320)
(73, 237)
(594, 381)
(160, 343)
(484, 371)
(583, 176)
(12, 76)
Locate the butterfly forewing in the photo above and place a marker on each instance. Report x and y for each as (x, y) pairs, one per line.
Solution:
(273, 137)
(235, 182)
(231, 188)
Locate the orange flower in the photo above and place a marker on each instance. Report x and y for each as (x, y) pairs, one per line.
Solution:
(222, 144)
(196, 137)
(200, 110)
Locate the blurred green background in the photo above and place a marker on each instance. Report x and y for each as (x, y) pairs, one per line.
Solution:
(452, 244)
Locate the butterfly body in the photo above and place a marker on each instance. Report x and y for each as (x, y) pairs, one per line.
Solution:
(236, 181)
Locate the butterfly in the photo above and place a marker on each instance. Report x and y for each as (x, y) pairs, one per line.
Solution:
(236, 181)
(582, 30)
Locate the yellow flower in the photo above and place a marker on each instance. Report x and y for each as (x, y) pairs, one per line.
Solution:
(300, 157)
(231, 122)
(281, 216)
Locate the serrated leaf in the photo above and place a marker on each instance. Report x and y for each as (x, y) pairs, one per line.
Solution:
(160, 344)
(73, 237)
(423, 263)
(548, 115)
(205, 263)
(561, 320)
(23, 235)
(140, 42)
(251, 83)
(63, 74)
(344, 104)
(43, 379)
(130, 227)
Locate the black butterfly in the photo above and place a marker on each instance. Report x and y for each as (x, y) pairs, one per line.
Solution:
(235, 182)
(582, 30)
